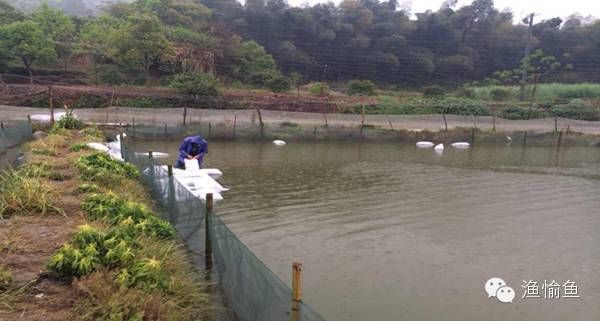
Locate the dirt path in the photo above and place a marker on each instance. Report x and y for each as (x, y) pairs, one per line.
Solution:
(27, 243)
(174, 117)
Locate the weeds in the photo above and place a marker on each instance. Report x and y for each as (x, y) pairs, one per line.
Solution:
(87, 188)
(68, 121)
(5, 279)
(78, 147)
(25, 195)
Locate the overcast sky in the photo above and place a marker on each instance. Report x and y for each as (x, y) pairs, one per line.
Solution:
(546, 8)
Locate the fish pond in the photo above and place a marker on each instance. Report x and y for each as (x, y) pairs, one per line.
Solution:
(390, 232)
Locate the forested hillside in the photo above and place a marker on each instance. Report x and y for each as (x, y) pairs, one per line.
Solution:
(148, 41)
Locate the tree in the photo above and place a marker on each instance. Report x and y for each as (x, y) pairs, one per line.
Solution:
(195, 85)
(361, 88)
(140, 42)
(94, 40)
(255, 62)
(26, 41)
(59, 27)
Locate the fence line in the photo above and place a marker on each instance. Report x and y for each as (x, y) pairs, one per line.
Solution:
(251, 289)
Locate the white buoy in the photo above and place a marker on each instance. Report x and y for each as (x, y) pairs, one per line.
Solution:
(439, 148)
(425, 144)
(509, 139)
(461, 145)
(279, 142)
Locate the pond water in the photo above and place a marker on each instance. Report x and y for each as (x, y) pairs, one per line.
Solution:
(389, 232)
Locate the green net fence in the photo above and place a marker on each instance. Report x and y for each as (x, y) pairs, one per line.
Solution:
(13, 133)
(251, 289)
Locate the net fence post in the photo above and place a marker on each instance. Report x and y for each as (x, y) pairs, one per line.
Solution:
(296, 290)
(51, 105)
(207, 242)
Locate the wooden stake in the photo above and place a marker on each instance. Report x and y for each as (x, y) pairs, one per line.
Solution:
(29, 118)
(112, 97)
(209, 129)
(362, 121)
(234, 124)
(389, 122)
(559, 142)
(326, 123)
(133, 126)
(51, 105)
(170, 170)
(555, 124)
(150, 154)
(262, 125)
(184, 114)
(494, 122)
(296, 290)
(445, 121)
(207, 242)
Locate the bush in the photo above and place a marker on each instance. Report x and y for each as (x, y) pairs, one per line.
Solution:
(68, 121)
(89, 101)
(319, 88)
(434, 91)
(78, 147)
(87, 188)
(521, 113)
(576, 109)
(361, 88)
(98, 164)
(260, 79)
(500, 94)
(195, 84)
(279, 84)
(465, 92)
(462, 106)
(110, 74)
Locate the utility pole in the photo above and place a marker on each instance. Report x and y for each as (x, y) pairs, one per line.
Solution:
(527, 51)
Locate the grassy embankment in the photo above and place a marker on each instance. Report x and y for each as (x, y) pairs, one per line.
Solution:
(79, 241)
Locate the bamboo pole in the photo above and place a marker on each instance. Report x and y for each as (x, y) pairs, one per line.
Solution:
(207, 242)
(296, 290)
(51, 105)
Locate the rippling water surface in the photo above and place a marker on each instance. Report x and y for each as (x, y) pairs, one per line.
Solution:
(388, 232)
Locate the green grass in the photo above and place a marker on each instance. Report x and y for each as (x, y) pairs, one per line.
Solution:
(546, 92)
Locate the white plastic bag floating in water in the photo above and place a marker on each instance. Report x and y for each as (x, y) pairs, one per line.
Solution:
(279, 142)
(461, 145)
(425, 144)
(191, 164)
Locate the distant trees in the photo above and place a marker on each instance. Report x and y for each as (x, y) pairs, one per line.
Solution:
(26, 41)
(195, 85)
(59, 28)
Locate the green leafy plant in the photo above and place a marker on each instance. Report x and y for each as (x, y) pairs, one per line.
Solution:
(78, 147)
(147, 274)
(361, 88)
(68, 121)
(319, 88)
(434, 91)
(87, 188)
(97, 164)
(279, 84)
(195, 85)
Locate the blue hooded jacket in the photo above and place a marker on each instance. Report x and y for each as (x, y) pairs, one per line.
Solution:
(192, 146)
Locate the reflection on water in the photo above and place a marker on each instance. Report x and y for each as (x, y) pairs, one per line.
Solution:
(390, 232)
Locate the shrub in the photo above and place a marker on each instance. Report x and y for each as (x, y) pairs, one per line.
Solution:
(361, 88)
(576, 109)
(434, 91)
(89, 101)
(95, 165)
(319, 88)
(195, 84)
(462, 106)
(500, 94)
(93, 132)
(23, 194)
(279, 84)
(520, 113)
(465, 92)
(260, 79)
(68, 121)
(110, 74)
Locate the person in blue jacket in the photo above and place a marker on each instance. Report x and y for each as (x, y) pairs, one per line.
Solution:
(193, 147)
